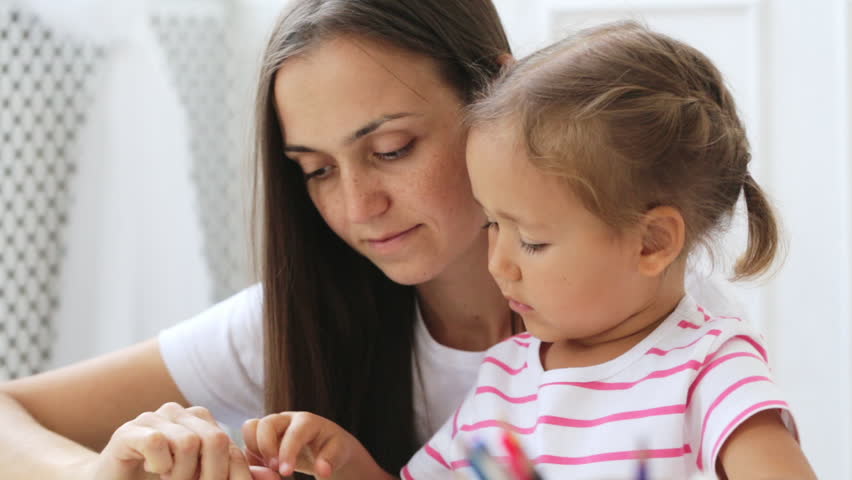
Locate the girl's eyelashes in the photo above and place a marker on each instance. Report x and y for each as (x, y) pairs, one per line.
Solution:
(533, 247)
(527, 247)
(396, 154)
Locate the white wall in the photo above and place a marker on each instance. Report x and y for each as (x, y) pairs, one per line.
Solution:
(788, 64)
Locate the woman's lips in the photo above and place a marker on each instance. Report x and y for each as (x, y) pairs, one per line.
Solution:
(388, 243)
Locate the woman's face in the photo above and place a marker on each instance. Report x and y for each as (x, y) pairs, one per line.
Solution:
(377, 134)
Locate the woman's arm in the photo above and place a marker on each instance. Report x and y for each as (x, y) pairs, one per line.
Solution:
(60, 419)
(762, 448)
(86, 402)
(28, 450)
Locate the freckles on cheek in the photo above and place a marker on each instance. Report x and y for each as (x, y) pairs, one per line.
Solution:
(328, 212)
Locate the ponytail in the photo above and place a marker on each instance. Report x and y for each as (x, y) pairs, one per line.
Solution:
(763, 233)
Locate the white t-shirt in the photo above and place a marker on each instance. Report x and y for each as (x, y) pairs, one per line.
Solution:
(673, 399)
(216, 360)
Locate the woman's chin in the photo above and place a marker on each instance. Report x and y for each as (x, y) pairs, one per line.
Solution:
(409, 273)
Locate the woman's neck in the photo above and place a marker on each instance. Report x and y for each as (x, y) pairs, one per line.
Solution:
(463, 307)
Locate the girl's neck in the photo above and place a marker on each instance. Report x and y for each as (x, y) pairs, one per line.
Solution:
(615, 342)
(463, 307)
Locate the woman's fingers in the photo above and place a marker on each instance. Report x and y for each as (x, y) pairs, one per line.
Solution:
(183, 445)
(174, 443)
(145, 445)
(214, 446)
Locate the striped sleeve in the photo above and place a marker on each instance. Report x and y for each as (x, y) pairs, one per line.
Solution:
(432, 461)
(733, 384)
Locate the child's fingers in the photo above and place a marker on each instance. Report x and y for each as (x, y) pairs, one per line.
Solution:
(270, 429)
(238, 468)
(330, 455)
(323, 468)
(263, 473)
(301, 433)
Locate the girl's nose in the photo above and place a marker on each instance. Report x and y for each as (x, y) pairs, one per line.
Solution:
(500, 263)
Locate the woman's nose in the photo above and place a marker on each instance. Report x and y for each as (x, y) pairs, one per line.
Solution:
(364, 197)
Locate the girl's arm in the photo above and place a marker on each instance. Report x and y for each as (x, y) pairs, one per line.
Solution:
(762, 448)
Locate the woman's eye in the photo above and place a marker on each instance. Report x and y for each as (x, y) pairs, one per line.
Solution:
(396, 154)
(489, 225)
(318, 173)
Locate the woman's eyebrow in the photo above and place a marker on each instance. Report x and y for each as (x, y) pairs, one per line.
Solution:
(375, 124)
(361, 132)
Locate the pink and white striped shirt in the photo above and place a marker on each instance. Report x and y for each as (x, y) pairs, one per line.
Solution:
(674, 399)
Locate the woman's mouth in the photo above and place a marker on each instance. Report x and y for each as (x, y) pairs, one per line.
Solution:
(391, 241)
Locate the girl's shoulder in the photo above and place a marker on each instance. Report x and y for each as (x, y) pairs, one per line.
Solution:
(698, 329)
(510, 356)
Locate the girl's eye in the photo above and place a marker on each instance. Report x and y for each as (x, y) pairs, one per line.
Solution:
(318, 173)
(396, 154)
(533, 247)
(489, 224)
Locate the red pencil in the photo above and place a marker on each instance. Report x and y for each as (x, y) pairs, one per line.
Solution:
(518, 463)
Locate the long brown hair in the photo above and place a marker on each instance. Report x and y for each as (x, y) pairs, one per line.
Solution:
(632, 119)
(338, 334)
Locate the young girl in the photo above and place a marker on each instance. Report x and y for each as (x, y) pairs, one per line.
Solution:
(601, 162)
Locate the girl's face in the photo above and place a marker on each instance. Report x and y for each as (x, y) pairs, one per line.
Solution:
(564, 270)
(377, 134)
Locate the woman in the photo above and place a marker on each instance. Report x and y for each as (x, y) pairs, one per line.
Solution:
(377, 304)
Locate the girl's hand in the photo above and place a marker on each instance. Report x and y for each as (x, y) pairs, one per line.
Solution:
(175, 443)
(307, 443)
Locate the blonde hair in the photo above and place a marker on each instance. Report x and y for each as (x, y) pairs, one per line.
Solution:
(632, 119)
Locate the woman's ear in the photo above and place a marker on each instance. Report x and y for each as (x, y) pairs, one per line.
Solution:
(663, 236)
(506, 60)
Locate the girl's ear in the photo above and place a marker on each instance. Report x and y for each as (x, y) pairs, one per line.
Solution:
(506, 60)
(663, 235)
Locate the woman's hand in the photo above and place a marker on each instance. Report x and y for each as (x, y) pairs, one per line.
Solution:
(307, 443)
(175, 443)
